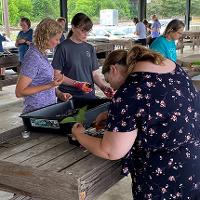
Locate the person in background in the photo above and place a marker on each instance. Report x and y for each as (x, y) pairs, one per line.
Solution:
(148, 27)
(62, 22)
(165, 44)
(153, 124)
(36, 82)
(140, 31)
(155, 28)
(2, 70)
(24, 38)
(76, 59)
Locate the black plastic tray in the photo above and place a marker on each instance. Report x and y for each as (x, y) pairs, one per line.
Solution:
(48, 119)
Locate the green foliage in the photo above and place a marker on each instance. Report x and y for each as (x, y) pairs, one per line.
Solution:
(196, 63)
(45, 8)
(171, 8)
(80, 117)
(92, 7)
(36, 10)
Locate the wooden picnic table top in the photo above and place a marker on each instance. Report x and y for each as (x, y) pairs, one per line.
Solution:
(46, 166)
(8, 61)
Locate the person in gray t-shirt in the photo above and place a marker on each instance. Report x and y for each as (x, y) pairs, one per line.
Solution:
(36, 81)
(77, 60)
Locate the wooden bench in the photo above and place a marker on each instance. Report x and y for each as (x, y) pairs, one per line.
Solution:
(189, 38)
(9, 61)
(46, 166)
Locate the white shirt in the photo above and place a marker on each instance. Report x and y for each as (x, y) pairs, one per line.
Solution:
(141, 30)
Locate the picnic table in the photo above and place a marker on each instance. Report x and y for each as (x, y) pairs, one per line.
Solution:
(8, 61)
(46, 166)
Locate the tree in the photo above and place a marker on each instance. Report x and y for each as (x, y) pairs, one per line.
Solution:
(45, 8)
(172, 8)
(92, 7)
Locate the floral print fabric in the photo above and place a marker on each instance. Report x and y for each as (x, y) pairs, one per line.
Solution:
(164, 161)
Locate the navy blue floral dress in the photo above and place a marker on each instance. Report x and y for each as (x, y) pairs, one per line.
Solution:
(164, 161)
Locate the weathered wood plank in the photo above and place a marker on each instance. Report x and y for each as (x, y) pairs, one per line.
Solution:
(38, 149)
(21, 197)
(34, 140)
(38, 183)
(65, 160)
(95, 175)
(98, 183)
(8, 135)
(49, 155)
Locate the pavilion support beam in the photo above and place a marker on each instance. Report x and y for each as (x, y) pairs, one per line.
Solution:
(6, 17)
(64, 11)
(187, 14)
(142, 9)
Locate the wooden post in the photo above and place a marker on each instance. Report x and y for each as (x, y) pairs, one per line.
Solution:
(6, 17)
(63, 12)
(187, 15)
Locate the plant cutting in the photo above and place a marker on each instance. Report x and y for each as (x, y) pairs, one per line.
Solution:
(79, 118)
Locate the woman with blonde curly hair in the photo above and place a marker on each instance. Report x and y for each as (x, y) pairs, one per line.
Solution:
(36, 81)
(153, 124)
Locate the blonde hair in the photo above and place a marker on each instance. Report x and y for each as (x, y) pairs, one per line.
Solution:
(45, 30)
(139, 53)
(60, 19)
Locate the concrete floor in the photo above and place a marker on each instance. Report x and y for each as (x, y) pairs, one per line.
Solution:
(10, 108)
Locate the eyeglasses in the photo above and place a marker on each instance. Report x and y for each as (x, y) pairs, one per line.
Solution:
(83, 30)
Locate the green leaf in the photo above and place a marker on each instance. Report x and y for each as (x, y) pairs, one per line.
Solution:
(80, 117)
(68, 120)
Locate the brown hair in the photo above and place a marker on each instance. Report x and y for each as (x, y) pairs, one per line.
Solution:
(26, 20)
(45, 30)
(80, 20)
(139, 53)
(135, 20)
(173, 26)
(115, 57)
(60, 19)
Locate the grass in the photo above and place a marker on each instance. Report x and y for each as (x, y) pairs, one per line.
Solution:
(196, 63)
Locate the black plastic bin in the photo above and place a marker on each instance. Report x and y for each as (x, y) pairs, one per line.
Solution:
(48, 119)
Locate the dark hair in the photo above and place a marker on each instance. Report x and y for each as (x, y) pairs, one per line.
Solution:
(27, 20)
(139, 53)
(135, 20)
(115, 57)
(80, 20)
(173, 26)
(146, 23)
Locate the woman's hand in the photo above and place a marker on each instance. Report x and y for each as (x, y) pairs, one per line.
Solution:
(64, 96)
(77, 129)
(108, 91)
(100, 121)
(57, 81)
(21, 41)
(57, 74)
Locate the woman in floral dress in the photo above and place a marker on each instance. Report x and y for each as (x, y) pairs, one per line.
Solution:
(153, 124)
